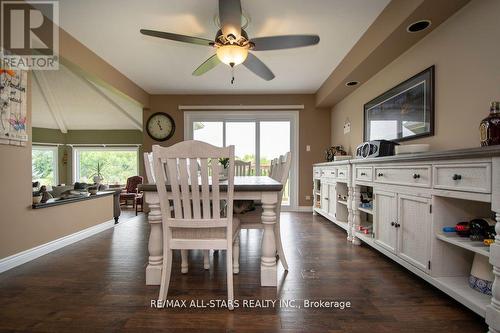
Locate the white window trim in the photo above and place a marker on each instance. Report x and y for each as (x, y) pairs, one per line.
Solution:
(248, 115)
(76, 150)
(55, 162)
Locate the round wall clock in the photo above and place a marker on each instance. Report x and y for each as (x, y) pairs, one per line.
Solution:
(160, 126)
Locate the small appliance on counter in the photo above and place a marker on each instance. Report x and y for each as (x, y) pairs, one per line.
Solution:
(376, 148)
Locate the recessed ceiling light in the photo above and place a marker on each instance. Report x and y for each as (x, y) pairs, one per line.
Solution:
(351, 83)
(418, 26)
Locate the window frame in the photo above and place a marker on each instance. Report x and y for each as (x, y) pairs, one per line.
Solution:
(75, 174)
(55, 163)
(191, 117)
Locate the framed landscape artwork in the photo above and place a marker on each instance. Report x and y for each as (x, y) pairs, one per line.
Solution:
(404, 112)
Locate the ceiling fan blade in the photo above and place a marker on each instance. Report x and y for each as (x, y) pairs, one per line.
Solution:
(207, 65)
(177, 37)
(284, 42)
(230, 17)
(258, 67)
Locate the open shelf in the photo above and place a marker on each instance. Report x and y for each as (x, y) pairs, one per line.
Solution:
(342, 202)
(465, 243)
(458, 288)
(366, 210)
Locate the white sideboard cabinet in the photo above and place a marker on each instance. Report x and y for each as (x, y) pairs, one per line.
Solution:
(413, 198)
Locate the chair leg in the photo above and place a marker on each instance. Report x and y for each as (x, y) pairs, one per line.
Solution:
(206, 259)
(165, 274)
(229, 269)
(236, 255)
(184, 261)
(279, 246)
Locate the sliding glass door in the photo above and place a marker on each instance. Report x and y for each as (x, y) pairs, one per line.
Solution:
(258, 137)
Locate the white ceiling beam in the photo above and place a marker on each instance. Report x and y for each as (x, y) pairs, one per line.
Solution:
(50, 99)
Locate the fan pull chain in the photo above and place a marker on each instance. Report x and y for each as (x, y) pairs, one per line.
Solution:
(232, 74)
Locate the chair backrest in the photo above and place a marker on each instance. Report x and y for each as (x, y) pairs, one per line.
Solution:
(272, 168)
(195, 196)
(282, 172)
(132, 183)
(242, 168)
(283, 167)
(148, 166)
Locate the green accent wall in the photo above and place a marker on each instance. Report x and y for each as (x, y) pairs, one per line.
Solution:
(81, 137)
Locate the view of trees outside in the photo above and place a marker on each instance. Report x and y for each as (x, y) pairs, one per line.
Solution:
(42, 166)
(241, 134)
(115, 166)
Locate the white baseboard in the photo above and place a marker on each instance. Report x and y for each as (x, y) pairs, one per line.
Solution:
(38, 251)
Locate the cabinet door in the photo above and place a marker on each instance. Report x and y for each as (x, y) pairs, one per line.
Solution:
(324, 196)
(386, 206)
(332, 195)
(414, 230)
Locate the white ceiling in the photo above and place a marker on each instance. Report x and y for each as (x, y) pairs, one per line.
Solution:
(68, 101)
(111, 29)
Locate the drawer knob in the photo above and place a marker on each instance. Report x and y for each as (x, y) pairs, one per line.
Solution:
(416, 176)
(393, 224)
(380, 174)
(397, 225)
(341, 173)
(456, 177)
(363, 174)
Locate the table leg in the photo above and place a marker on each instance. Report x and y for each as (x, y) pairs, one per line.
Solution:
(155, 245)
(268, 267)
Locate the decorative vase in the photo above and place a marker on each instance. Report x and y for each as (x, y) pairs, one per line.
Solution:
(481, 275)
(97, 179)
(37, 199)
(489, 129)
(223, 174)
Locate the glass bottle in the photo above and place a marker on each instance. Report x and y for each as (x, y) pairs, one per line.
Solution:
(489, 129)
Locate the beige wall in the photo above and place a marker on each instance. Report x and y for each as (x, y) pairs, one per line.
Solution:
(21, 227)
(314, 125)
(466, 52)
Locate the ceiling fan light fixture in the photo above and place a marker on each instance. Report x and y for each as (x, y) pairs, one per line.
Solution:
(232, 55)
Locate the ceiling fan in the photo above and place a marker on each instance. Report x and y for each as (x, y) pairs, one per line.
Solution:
(233, 45)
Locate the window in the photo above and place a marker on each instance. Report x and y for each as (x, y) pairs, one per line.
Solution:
(115, 164)
(258, 137)
(44, 165)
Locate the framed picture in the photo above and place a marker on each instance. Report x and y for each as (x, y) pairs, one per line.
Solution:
(404, 112)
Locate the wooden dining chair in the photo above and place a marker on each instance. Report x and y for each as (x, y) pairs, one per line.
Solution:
(252, 220)
(242, 168)
(202, 215)
(148, 166)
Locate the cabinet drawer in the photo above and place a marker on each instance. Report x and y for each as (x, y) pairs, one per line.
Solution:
(404, 175)
(463, 177)
(364, 174)
(316, 173)
(330, 173)
(342, 173)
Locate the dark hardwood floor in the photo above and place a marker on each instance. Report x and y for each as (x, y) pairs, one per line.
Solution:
(97, 285)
